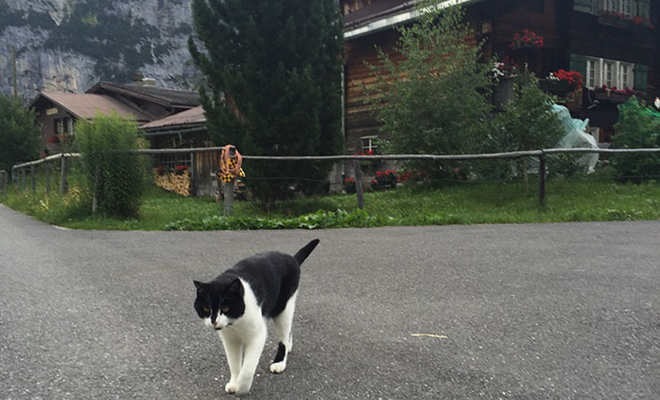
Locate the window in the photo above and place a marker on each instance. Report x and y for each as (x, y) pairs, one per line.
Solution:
(591, 73)
(626, 77)
(369, 144)
(63, 125)
(610, 73)
(616, 6)
(626, 7)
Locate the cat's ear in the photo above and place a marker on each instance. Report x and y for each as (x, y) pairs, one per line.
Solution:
(235, 287)
(201, 288)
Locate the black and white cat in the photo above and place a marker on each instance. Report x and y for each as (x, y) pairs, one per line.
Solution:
(238, 303)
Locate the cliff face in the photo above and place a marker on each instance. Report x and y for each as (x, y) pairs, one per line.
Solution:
(70, 45)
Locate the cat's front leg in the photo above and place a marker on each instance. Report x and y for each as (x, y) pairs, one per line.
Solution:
(253, 350)
(233, 350)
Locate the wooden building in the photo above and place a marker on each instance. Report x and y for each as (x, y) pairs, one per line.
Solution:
(613, 43)
(57, 111)
(186, 130)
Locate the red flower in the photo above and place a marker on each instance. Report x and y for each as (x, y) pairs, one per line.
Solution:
(526, 39)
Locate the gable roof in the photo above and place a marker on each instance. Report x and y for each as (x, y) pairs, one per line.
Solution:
(192, 118)
(87, 105)
(165, 97)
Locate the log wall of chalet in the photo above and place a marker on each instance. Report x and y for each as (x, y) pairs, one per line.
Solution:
(359, 118)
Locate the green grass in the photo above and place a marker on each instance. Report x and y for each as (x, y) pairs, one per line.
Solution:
(466, 203)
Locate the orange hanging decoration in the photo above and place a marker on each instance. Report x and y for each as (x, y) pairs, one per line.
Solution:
(230, 166)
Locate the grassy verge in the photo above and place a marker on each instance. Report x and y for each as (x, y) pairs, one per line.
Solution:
(472, 203)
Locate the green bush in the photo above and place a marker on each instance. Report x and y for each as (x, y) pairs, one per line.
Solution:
(638, 127)
(435, 98)
(116, 179)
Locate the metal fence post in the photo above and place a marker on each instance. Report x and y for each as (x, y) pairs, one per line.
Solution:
(542, 159)
(358, 184)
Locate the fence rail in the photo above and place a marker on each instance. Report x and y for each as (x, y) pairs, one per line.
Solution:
(540, 154)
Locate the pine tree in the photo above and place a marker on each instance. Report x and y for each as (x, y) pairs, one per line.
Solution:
(273, 84)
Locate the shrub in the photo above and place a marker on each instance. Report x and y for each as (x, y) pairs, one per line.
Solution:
(116, 179)
(638, 127)
(434, 99)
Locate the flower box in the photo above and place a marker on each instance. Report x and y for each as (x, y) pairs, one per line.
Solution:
(611, 96)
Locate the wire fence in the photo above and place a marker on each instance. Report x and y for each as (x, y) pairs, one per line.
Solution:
(20, 171)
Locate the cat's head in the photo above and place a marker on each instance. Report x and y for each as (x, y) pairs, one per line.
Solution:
(218, 303)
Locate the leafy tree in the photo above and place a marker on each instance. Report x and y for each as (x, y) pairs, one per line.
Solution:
(638, 127)
(116, 179)
(19, 134)
(527, 123)
(273, 75)
(435, 99)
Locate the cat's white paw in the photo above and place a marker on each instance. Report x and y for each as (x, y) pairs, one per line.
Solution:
(278, 367)
(243, 386)
(231, 387)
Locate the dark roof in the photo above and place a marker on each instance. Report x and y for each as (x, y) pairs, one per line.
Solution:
(166, 97)
(87, 105)
(386, 8)
(186, 119)
(377, 9)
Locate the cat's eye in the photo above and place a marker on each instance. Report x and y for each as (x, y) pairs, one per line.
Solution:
(206, 309)
(224, 310)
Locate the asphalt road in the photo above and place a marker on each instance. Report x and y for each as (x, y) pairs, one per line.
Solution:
(556, 311)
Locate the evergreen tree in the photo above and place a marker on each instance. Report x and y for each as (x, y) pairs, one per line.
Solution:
(273, 77)
(19, 133)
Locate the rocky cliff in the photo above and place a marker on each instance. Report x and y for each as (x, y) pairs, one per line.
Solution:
(70, 45)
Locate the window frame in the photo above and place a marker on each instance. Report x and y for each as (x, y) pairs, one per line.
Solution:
(597, 77)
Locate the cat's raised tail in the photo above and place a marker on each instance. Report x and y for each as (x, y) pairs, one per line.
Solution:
(303, 253)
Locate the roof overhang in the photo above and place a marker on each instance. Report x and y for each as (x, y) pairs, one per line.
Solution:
(392, 20)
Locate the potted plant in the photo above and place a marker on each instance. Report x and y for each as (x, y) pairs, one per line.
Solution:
(386, 179)
(349, 185)
(526, 40)
(562, 82)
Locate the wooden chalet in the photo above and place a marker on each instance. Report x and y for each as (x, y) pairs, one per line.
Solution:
(613, 43)
(58, 111)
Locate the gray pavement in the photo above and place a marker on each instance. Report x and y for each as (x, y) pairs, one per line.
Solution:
(555, 311)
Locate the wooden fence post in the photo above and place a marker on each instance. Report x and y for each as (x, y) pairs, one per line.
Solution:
(358, 184)
(542, 159)
(47, 173)
(33, 175)
(228, 208)
(97, 176)
(3, 181)
(193, 175)
(64, 185)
